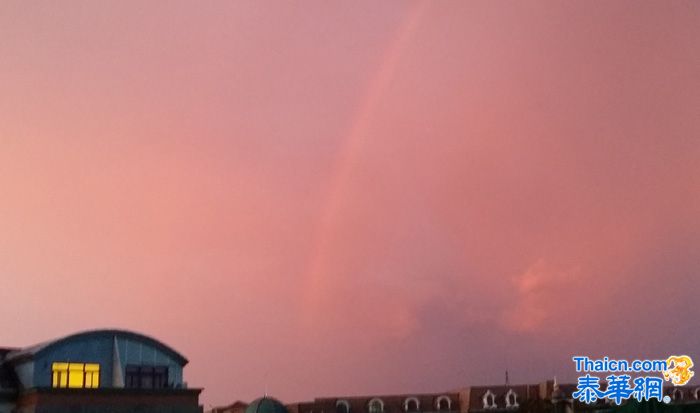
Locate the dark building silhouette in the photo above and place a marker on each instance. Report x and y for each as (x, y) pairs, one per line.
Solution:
(544, 397)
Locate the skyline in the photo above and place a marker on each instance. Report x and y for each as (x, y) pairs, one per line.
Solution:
(367, 198)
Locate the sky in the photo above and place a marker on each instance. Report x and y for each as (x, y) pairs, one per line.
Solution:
(341, 198)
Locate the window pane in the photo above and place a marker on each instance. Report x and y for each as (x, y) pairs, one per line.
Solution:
(146, 382)
(75, 378)
(59, 376)
(146, 377)
(92, 379)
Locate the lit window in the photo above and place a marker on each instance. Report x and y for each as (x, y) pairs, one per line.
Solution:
(60, 375)
(92, 376)
(75, 375)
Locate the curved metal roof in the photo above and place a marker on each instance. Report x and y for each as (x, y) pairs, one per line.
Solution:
(37, 349)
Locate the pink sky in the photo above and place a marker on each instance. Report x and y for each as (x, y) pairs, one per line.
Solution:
(335, 198)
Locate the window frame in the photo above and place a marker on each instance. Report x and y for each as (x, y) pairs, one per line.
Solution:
(375, 402)
(443, 398)
(345, 405)
(411, 401)
(137, 376)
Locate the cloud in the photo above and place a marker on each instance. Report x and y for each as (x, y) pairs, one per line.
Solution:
(542, 295)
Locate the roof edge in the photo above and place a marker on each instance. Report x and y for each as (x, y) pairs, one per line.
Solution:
(37, 349)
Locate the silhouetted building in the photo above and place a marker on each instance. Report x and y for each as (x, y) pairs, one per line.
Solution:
(545, 397)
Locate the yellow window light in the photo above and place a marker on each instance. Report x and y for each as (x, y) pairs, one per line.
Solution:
(92, 376)
(60, 375)
(75, 375)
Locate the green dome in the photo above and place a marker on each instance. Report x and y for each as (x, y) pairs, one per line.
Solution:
(266, 405)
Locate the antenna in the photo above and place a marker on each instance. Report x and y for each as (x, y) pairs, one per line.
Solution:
(265, 395)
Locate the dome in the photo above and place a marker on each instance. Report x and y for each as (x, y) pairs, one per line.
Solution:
(266, 405)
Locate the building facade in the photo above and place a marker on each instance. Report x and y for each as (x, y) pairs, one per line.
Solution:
(110, 371)
(544, 397)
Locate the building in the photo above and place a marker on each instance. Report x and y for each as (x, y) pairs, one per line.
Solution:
(545, 397)
(448, 402)
(106, 371)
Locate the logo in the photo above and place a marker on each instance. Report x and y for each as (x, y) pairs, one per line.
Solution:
(678, 371)
(637, 379)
